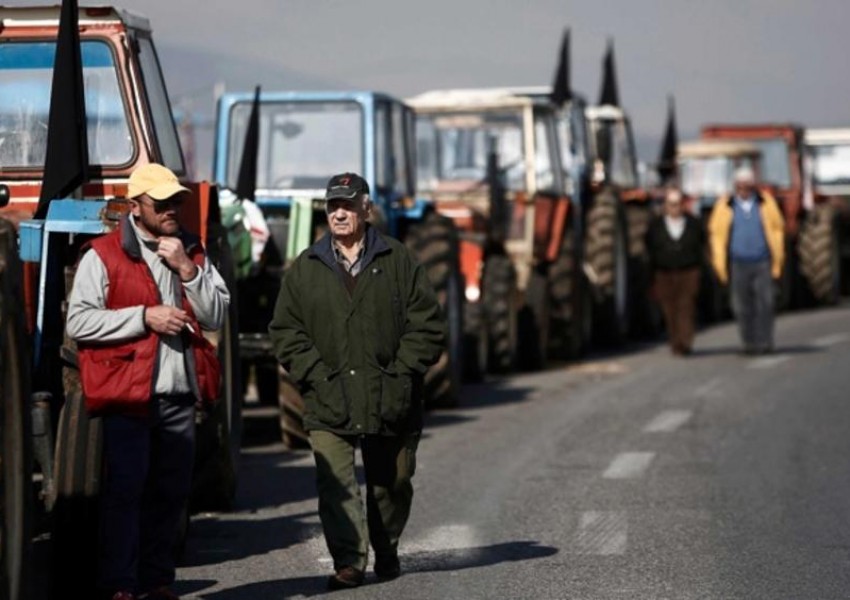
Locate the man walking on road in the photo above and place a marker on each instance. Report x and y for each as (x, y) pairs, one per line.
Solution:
(676, 247)
(357, 324)
(747, 235)
(141, 296)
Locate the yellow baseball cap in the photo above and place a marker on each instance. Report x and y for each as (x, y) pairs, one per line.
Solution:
(158, 182)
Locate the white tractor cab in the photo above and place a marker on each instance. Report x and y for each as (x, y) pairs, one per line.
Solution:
(707, 168)
(490, 160)
(827, 155)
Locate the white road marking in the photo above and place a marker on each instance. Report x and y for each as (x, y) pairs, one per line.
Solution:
(629, 465)
(602, 533)
(667, 421)
(768, 362)
(709, 389)
(831, 340)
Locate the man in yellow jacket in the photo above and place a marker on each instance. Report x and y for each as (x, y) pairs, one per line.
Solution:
(747, 238)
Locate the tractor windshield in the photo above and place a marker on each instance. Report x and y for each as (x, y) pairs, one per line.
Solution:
(301, 143)
(832, 165)
(706, 177)
(454, 147)
(612, 146)
(775, 162)
(26, 73)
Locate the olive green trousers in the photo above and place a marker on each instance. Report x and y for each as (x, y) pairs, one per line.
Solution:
(389, 464)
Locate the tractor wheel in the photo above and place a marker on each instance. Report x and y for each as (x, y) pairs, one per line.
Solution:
(16, 499)
(78, 469)
(292, 415)
(434, 243)
(267, 379)
(606, 261)
(820, 260)
(218, 437)
(534, 324)
(475, 341)
(499, 298)
(569, 315)
(645, 314)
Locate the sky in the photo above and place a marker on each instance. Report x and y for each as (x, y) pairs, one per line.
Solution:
(722, 60)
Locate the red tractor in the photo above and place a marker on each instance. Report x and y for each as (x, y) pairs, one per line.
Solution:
(127, 122)
(812, 271)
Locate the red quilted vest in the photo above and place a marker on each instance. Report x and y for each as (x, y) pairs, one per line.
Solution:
(119, 377)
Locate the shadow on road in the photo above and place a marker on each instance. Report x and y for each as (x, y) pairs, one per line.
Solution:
(416, 562)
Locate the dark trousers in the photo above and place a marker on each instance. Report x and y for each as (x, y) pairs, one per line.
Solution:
(677, 293)
(752, 303)
(389, 463)
(148, 476)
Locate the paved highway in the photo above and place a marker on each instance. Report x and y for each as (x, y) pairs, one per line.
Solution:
(638, 476)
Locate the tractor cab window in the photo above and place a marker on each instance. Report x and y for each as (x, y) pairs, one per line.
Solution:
(706, 176)
(163, 121)
(831, 165)
(301, 143)
(613, 147)
(546, 159)
(572, 140)
(26, 74)
(775, 162)
(454, 148)
(392, 149)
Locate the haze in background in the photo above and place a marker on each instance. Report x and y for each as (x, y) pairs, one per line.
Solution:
(724, 60)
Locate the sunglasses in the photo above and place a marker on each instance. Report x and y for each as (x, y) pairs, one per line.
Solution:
(161, 206)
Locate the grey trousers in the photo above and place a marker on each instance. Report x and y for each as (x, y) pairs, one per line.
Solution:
(752, 302)
(148, 476)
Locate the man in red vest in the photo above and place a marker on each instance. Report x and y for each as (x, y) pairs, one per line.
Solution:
(141, 296)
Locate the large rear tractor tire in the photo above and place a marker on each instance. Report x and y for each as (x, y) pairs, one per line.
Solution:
(16, 498)
(569, 300)
(218, 437)
(292, 415)
(646, 321)
(78, 471)
(819, 252)
(434, 243)
(534, 324)
(500, 303)
(607, 266)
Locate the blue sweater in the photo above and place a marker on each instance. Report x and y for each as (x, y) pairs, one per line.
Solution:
(748, 243)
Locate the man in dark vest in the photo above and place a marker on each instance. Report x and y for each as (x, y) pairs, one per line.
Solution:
(676, 247)
(357, 325)
(141, 296)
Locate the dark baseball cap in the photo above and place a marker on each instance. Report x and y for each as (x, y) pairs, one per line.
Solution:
(347, 186)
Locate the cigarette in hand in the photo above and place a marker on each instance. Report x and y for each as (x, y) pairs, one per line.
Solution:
(190, 328)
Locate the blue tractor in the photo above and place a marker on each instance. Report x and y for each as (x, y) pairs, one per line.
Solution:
(304, 138)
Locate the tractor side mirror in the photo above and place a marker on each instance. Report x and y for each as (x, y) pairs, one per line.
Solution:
(5, 196)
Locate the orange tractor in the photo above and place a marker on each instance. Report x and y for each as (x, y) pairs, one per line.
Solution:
(489, 159)
(125, 121)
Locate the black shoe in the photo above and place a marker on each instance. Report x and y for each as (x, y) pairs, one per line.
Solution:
(387, 567)
(345, 579)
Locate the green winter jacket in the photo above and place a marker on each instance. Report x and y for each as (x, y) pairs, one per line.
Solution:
(359, 358)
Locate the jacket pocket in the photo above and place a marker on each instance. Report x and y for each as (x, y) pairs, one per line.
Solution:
(330, 403)
(107, 372)
(396, 396)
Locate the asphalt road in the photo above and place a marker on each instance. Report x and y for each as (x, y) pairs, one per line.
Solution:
(638, 476)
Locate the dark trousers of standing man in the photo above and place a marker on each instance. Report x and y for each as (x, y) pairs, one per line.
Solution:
(752, 303)
(677, 291)
(389, 464)
(147, 482)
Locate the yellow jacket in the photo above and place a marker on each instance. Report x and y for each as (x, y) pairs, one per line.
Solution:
(720, 228)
